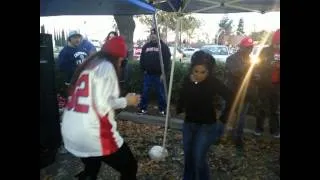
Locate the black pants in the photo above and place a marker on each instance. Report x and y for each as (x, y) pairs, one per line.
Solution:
(268, 105)
(123, 161)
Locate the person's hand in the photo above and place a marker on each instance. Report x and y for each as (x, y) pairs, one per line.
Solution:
(132, 99)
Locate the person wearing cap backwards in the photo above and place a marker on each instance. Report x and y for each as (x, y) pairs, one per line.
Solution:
(150, 65)
(269, 87)
(237, 66)
(89, 129)
(74, 54)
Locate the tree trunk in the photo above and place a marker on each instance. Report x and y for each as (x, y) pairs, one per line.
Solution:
(126, 26)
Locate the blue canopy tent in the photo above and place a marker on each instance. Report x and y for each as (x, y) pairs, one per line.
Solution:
(218, 6)
(94, 7)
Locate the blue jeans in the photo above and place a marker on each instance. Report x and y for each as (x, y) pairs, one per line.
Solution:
(148, 82)
(238, 132)
(197, 139)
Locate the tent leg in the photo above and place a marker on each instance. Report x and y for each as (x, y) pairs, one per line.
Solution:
(164, 82)
(160, 55)
(178, 26)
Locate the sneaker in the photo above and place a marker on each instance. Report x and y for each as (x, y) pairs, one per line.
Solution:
(142, 112)
(277, 136)
(162, 113)
(257, 133)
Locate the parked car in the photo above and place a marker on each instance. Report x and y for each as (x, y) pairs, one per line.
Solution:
(189, 51)
(219, 52)
(179, 54)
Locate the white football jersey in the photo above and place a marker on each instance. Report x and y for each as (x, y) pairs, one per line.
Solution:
(88, 125)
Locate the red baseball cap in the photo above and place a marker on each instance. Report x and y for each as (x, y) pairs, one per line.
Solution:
(246, 42)
(116, 47)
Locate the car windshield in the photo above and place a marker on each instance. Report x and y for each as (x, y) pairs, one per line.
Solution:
(217, 50)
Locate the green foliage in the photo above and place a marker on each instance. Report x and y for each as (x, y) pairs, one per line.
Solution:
(226, 25)
(135, 80)
(60, 38)
(180, 71)
(240, 29)
(168, 21)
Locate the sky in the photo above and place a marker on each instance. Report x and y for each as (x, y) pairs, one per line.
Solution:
(97, 27)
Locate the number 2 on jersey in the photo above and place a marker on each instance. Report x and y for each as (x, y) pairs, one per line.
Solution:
(80, 92)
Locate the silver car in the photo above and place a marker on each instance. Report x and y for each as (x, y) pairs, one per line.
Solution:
(219, 52)
(189, 51)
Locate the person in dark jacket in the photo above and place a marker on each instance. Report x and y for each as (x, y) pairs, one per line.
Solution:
(70, 57)
(151, 67)
(200, 127)
(269, 87)
(74, 54)
(237, 66)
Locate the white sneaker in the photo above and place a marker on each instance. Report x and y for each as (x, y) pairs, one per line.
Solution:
(142, 112)
(162, 113)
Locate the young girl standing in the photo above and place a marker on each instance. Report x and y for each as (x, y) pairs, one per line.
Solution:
(200, 129)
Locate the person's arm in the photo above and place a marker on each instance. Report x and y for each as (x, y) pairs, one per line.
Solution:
(105, 89)
(62, 60)
(166, 58)
(227, 95)
(64, 66)
(143, 58)
(91, 49)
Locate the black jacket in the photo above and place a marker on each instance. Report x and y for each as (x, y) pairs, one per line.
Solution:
(197, 100)
(150, 61)
(236, 70)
